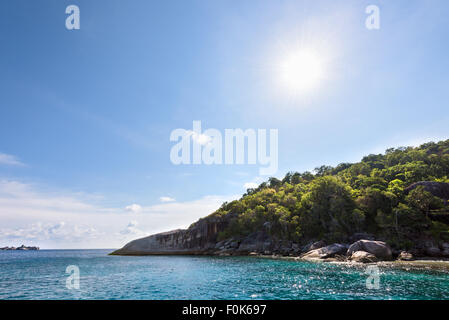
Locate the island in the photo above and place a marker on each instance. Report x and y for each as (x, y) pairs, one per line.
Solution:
(22, 247)
(391, 206)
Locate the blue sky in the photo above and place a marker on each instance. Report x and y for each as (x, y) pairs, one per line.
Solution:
(86, 115)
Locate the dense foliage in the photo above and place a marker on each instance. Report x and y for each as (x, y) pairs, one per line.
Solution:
(334, 203)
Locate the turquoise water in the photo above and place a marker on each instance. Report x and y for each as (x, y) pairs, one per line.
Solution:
(42, 275)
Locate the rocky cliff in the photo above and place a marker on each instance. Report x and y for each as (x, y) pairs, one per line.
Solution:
(438, 189)
(200, 238)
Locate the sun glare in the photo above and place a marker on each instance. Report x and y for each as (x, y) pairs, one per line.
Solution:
(301, 71)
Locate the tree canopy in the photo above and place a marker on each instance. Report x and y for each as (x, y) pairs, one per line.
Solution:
(333, 203)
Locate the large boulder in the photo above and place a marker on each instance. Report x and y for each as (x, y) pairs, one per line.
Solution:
(378, 248)
(326, 252)
(445, 250)
(405, 256)
(433, 251)
(363, 257)
(313, 246)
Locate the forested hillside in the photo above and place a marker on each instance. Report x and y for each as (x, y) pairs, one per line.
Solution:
(372, 196)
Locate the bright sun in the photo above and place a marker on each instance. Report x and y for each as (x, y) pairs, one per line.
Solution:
(301, 71)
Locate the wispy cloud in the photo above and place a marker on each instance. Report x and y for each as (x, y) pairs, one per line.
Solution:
(250, 185)
(59, 231)
(254, 183)
(69, 220)
(10, 160)
(135, 208)
(167, 199)
(132, 229)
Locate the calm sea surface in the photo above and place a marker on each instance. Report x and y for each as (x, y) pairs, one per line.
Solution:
(42, 275)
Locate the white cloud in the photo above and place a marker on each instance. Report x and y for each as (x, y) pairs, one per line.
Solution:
(250, 185)
(201, 139)
(131, 229)
(253, 184)
(135, 208)
(39, 231)
(167, 199)
(10, 160)
(67, 220)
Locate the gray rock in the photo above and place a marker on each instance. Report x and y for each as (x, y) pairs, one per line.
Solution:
(253, 243)
(326, 252)
(220, 245)
(445, 249)
(285, 247)
(192, 241)
(378, 248)
(405, 256)
(200, 238)
(433, 251)
(313, 245)
(363, 257)
(268, 245)
(234, 244)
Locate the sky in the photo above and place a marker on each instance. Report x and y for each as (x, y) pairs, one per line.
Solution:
(86, 114)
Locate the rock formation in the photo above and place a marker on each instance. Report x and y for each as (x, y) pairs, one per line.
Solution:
(378, 248)
(363, 256)
(438, 189)
(200, 238)
(405, 256)
(326, 252)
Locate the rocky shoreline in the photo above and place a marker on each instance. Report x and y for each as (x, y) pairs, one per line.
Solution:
(200, 239)
(360, 252)
(421, 263)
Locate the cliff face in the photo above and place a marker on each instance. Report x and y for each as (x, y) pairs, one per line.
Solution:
(200, 238)
(438, 189)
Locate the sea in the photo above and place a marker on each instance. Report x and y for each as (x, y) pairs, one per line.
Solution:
(93, 274)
